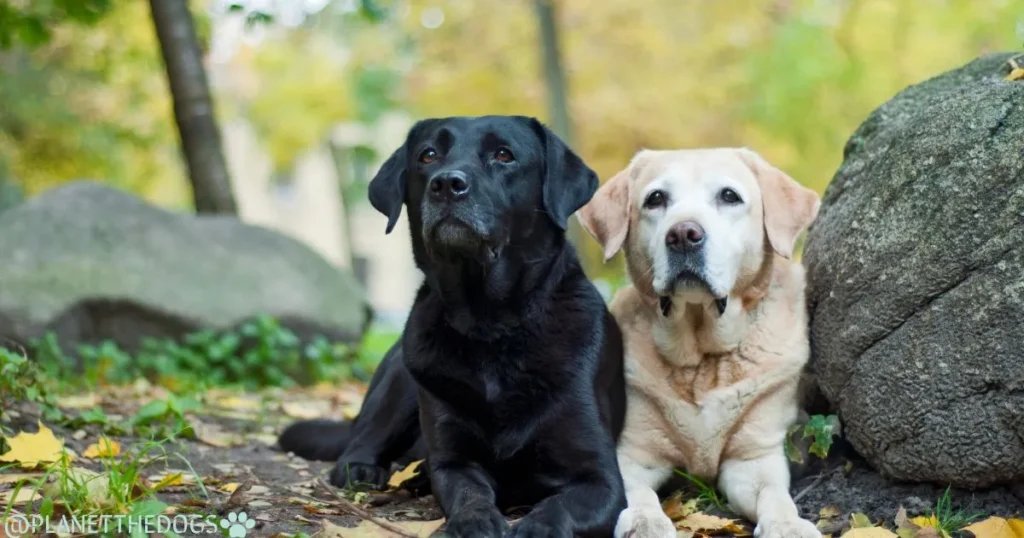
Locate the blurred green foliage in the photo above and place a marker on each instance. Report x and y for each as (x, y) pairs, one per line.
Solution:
(260, 353)
(31, 22)
(788, 78)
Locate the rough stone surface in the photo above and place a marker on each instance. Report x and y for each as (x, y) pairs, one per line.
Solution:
(93, 263)
(916, 282)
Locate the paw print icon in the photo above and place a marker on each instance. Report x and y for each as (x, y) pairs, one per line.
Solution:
(237, 525)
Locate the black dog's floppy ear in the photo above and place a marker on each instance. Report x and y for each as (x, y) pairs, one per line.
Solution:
(568, 182)
(387, 188)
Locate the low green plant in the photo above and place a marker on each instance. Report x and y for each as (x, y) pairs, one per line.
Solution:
(819, 430)
(21, 380)
(118, 489)
(707, 495)
(165, 418)
(259, 353)
(949, 521)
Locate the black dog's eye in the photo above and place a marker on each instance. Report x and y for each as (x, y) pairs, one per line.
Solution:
(503, 155)
(729, 196)
(655, 199)
(428, 156)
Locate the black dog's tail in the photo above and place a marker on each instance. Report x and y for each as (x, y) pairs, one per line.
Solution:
(320, 440)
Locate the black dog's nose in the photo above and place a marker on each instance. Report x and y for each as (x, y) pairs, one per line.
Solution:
(684, 235)
(449, 185)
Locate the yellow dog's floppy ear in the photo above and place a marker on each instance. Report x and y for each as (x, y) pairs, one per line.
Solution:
(789, 207)
(606, 215)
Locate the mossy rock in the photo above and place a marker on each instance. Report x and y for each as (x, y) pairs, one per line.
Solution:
(916, 281)
(94, 263)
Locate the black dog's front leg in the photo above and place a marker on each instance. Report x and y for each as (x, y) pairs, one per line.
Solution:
(588, 508)
(386, 428)
(466, 494)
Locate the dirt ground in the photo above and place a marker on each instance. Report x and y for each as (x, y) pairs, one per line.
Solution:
(240, 468)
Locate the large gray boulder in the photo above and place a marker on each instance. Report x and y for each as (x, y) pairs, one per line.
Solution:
(93, 263)
(916, 281)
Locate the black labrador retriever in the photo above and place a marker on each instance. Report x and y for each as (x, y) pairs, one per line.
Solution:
(509, 355)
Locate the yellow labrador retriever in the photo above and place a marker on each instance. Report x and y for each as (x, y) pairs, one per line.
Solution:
(715, 328)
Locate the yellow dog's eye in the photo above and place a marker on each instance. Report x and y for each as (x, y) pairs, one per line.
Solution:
(729, 196)
(655, 199)
(428, 156)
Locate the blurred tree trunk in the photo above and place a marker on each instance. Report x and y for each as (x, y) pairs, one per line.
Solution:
(554, 77)
(193, 107)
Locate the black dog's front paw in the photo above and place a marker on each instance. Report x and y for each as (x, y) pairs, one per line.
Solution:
(359, 476)
(476, 522)
(539, 527)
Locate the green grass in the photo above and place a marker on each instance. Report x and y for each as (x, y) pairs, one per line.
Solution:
(949, 521)
(707, 496)
(118, 489)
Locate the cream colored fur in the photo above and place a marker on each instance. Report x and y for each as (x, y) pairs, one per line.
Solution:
(710, 393)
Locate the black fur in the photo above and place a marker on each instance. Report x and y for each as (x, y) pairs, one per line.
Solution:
(509, 358)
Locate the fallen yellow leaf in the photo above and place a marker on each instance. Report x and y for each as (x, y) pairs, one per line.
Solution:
(869, 532)
(858, 520)
(105, 448)
(925, 521)
(410, 471)
(997, 527)
(829, 512)
(1016, 74)
(172, 478)
(28, 450)
(683, 533)
(229, 488)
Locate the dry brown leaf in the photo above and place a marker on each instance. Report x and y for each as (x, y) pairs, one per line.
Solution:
(701, 522)
(238, 497)
(105, 448)
(676, 509)
(214, 435)
(79, 401)
(368, 529)
(869, 532)
(29, 450)
(997, 527)
(14, 478)
(305, 409)
(409, 472)
(24, 495)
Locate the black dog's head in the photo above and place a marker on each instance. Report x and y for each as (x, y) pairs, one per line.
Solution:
(474, 186)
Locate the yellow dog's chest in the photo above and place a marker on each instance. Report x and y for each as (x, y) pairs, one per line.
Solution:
(702, 406)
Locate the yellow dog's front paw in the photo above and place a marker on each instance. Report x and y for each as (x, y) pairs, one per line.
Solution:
(786, 528)
(640, 523)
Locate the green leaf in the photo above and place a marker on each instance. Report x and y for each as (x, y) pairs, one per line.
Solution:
(46, 507)
(821, 429)
(151, 412)
(792, 450)
(148, 508)
(93, 416)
